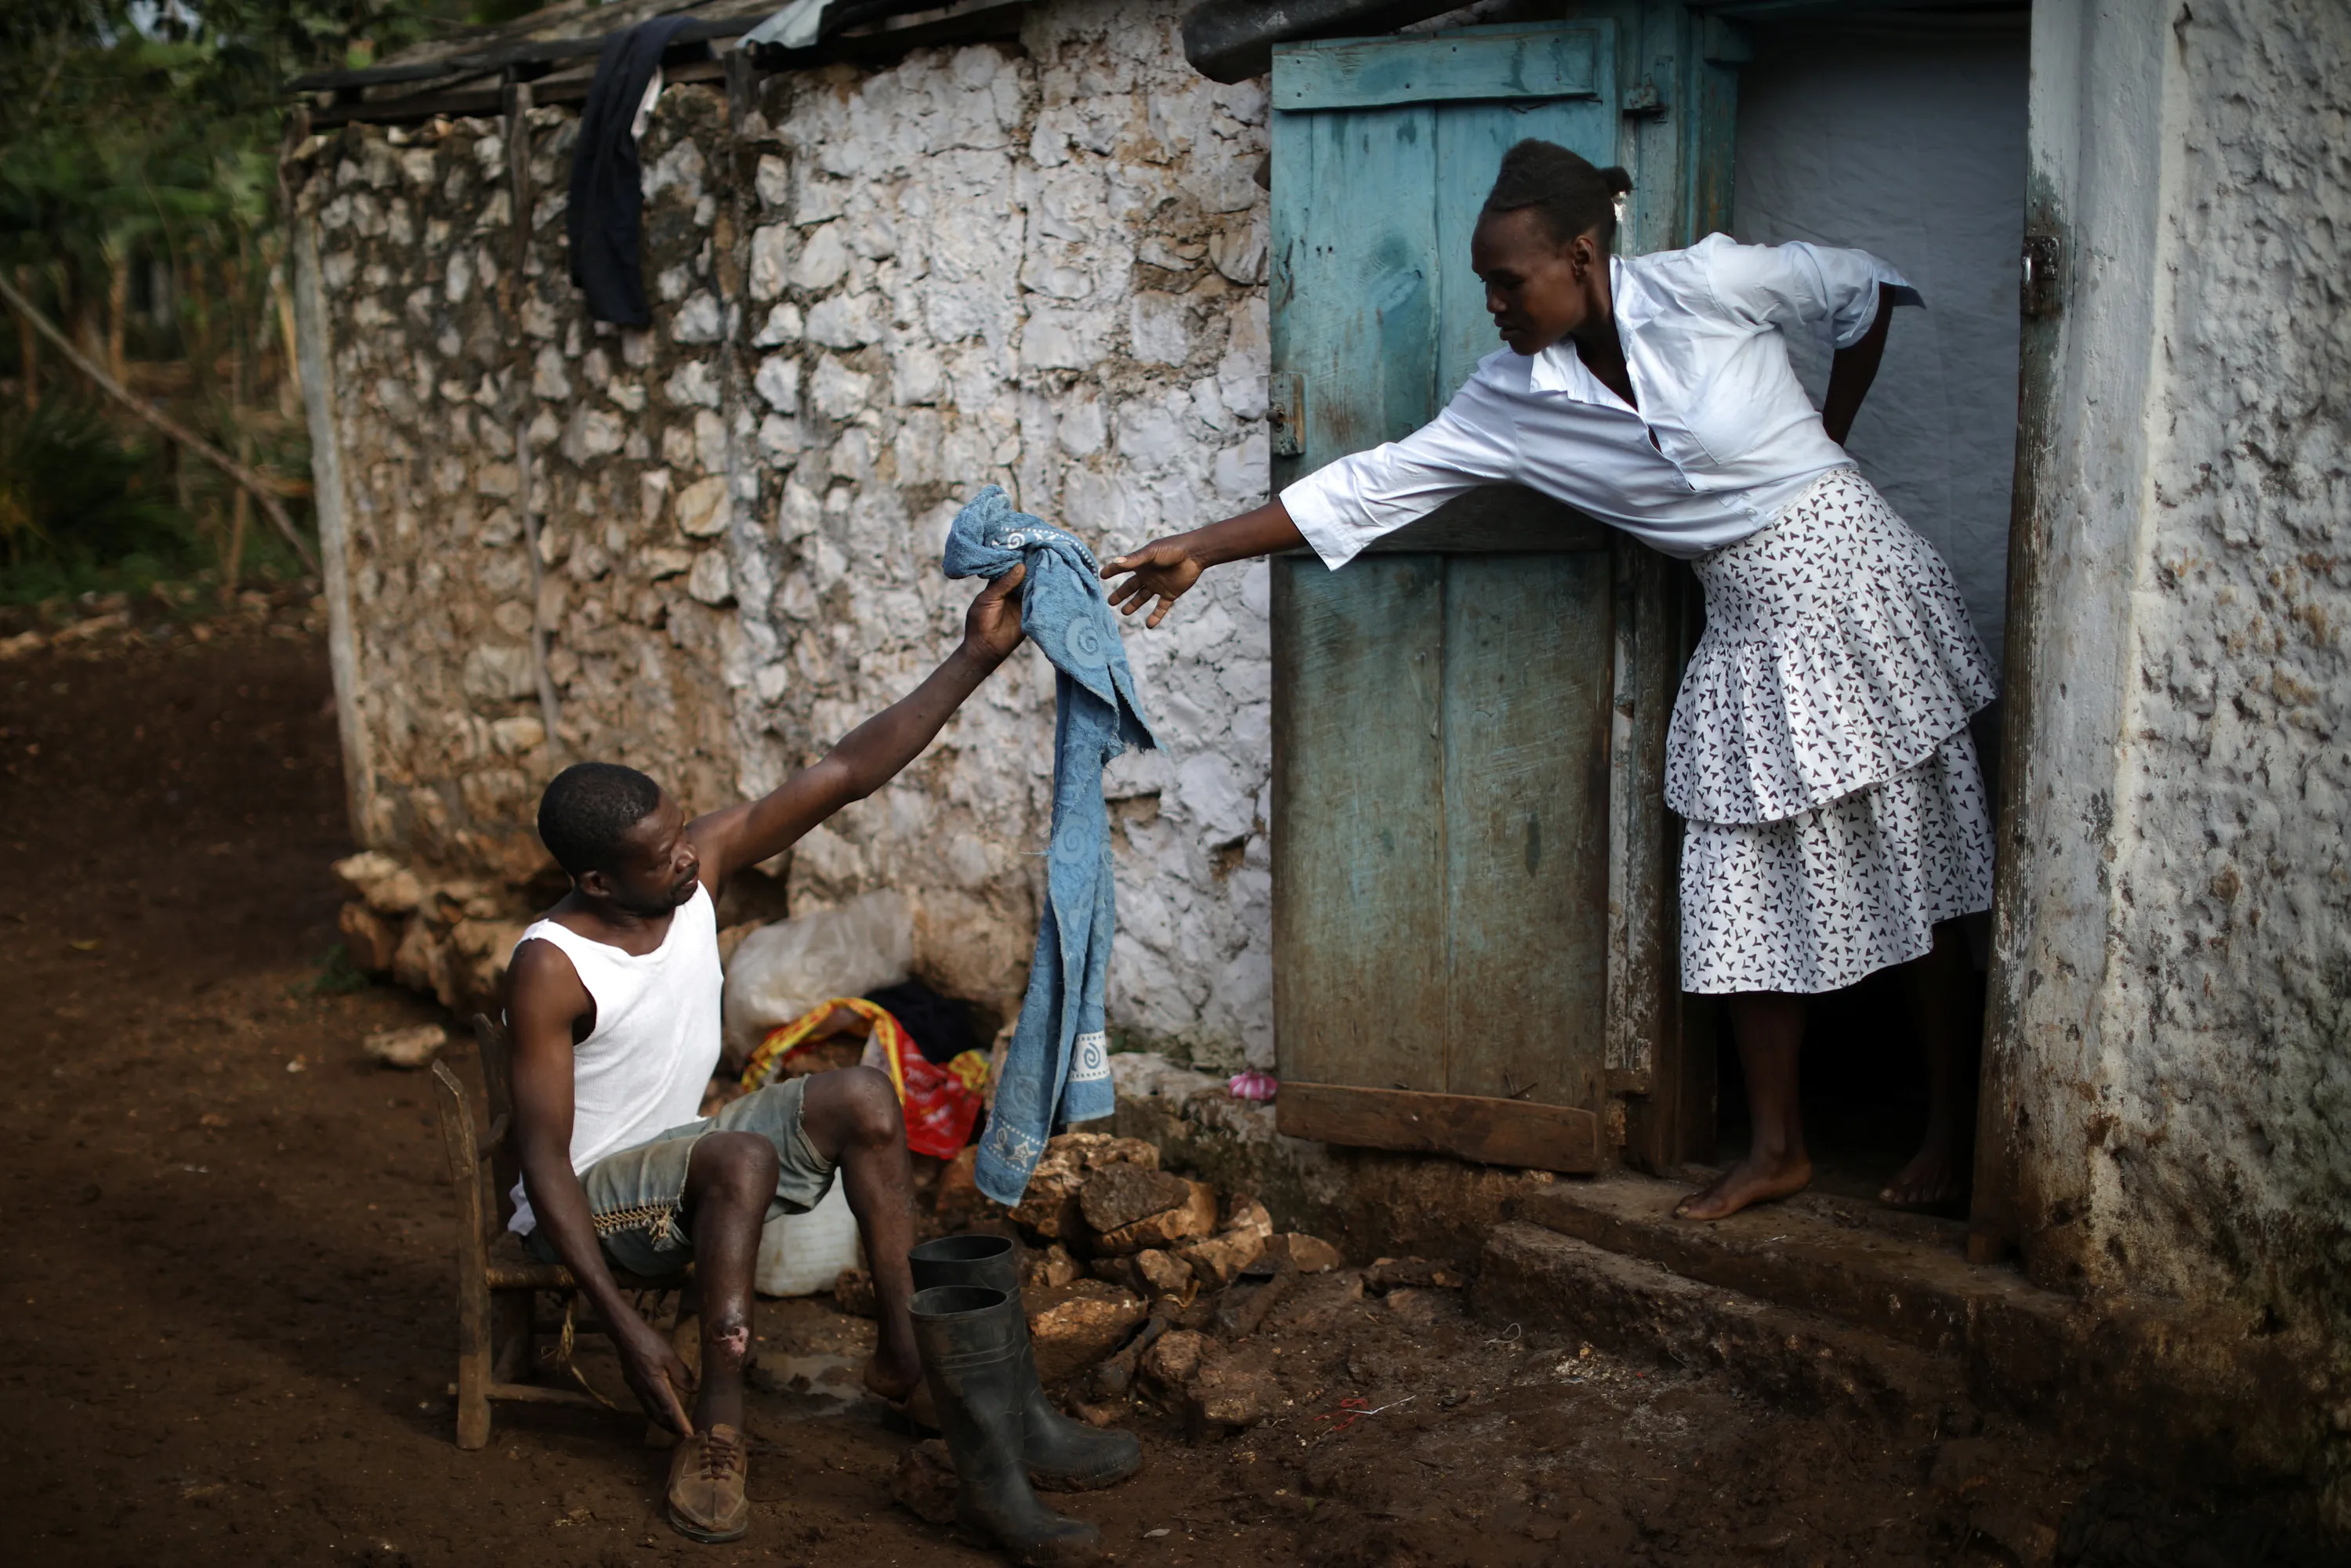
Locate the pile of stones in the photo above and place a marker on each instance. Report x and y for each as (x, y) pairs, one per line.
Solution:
(446, 937)
(1140, 1282)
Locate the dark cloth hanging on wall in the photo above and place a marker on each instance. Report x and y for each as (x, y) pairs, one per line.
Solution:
(607, 198)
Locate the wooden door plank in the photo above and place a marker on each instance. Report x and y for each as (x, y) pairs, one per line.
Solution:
(1497, 518)
(1469, 66)
(1709, 137)
(1358, 787)
(1528, 643)
(1471, 1128)
(1355, 233)
(1644, 974)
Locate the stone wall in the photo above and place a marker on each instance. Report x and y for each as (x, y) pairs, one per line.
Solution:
(2175, 927)
(874, 293)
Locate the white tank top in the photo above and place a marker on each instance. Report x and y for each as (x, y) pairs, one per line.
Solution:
(643, 1068)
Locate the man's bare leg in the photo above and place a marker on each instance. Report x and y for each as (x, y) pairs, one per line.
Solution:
(852, 1118)
(729, 1182)
(1935, 987)
(1769, 1028)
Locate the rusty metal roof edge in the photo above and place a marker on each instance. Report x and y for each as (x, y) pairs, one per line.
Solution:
(528, 41)
(550, 33)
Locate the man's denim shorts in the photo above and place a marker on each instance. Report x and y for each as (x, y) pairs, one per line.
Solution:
(636, 1194)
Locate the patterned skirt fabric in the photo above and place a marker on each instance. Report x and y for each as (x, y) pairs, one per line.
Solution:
(1815, 902)
(1820, 755)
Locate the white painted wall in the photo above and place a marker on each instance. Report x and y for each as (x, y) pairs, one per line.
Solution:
(2174, 929)
(1905, 136)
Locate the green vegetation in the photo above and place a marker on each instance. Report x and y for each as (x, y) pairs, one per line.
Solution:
(139, 192)
(73, 500)
(335, 975)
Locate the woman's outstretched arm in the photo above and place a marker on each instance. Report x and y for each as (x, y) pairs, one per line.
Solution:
(1165, 568)
(1342, 507)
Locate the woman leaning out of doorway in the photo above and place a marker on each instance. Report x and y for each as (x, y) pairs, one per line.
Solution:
(1835, 817)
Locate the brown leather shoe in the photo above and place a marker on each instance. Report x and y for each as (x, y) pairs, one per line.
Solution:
(707, 1476)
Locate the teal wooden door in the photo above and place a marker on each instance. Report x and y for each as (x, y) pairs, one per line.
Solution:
(1442, 706)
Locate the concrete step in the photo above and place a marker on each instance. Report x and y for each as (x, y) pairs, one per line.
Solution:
(1854, 1213)
(1532, 1274)
(1905, 1277)
(1819, 1303)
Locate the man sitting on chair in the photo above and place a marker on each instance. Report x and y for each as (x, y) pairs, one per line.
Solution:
(613, 1007)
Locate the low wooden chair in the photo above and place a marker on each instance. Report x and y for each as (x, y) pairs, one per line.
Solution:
(498, 1279)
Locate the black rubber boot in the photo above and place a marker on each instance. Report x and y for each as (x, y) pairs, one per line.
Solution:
(973, 1342)
(1062, 1454)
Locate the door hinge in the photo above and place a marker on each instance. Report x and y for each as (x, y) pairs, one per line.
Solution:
(2039, 281)
(1644, 101)
(1285, 411)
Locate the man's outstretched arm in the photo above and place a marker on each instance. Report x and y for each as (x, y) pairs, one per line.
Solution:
(544, 1000)
(869, 756)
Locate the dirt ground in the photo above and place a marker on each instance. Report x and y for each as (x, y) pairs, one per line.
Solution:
(224, 1291)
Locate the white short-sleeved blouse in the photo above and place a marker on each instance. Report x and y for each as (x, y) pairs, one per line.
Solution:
(1735, 436)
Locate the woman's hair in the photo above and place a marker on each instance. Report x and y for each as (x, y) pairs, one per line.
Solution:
(1566, 192)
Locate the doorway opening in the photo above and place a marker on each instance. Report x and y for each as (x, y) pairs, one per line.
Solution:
(1901, 132)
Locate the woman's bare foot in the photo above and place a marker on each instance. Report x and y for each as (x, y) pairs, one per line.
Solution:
(1938, 988)
(1755, 1179)
(1928, 1181)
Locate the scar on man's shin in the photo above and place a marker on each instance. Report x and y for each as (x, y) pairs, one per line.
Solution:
(731, 1341)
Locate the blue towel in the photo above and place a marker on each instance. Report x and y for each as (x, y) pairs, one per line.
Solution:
(1057, 1069)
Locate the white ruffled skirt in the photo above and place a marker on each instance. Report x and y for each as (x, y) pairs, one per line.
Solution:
(1819, 751)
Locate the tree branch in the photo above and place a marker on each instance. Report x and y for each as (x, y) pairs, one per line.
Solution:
(260, 487)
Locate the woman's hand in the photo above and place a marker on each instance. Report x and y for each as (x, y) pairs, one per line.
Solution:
(991, 629)
(1163, 570)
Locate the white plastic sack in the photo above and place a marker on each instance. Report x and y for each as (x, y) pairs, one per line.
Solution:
(803, 1254)
(780, 971)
